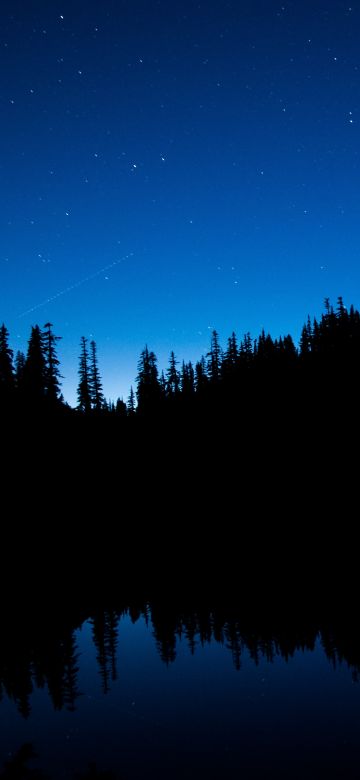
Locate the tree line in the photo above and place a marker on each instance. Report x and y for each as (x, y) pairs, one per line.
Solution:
(32, 381)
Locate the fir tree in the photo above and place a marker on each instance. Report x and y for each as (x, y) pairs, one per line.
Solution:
(35, 369)
(201, 378)
(214, 358)
(230, 357)
(95, 385)
(7, 381)
(84, 392)
(131, 403)
(173, 377)
(52, 364)
(148, 386)
(187, 379)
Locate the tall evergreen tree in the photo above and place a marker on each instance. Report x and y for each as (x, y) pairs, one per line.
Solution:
(246, 349)
(230, 357)
(173, 377)
(163, 386)
(131, 403)
(214, 358)
(95, 385)
(148, 387)
(84, 391)
(201, 378)
(35, 370)
(187, 379)
(7, 382)
(52, 363)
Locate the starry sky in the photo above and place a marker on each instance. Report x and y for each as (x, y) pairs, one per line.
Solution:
(172, 167)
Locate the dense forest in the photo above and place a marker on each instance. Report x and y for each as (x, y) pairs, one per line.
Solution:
(220, 382)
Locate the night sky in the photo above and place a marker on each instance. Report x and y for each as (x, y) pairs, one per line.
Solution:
(170, 167)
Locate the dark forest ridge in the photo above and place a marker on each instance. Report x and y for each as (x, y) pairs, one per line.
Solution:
(33, 381)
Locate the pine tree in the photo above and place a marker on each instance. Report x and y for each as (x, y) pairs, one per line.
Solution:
(95, 385)
(214, 358)
(305, 342)
(131, 403)
(7, 381)
(148, 387)
(84, 396)
(35, 369)
(230, 357)
(201, 378)
(246, 350)
(162, 386)
(187, 379)
(52, 364)
(173, 378)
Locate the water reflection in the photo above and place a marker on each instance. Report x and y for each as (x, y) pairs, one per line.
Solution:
(44, 655)
(186, 688)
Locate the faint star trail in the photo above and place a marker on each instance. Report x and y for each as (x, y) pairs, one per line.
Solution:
(74, 286)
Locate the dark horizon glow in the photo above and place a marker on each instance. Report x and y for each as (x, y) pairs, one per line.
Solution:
(170, 168)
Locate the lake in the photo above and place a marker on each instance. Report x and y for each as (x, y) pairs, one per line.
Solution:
(156, 689)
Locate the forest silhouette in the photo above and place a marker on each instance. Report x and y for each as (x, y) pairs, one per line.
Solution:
(219, 383)
(233, 468)
(39, 650)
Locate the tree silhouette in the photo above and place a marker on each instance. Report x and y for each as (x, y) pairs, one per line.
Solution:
(201, 378)
(131, 403)
(148, 386)
(84, 388)
(7, 382)
(94, 380)
(173, 378)
(52, 378)
(35, 369)
(214, 358)
(187, 379)
(230, 358)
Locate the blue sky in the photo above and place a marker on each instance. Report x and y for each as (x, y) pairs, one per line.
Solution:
(168, 168)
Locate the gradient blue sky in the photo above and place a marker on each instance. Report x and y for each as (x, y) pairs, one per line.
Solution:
(171, 167)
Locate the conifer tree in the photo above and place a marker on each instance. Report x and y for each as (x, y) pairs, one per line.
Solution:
(131, 403)
(95, 385)
(35, 370)
(84, 393)
(173, 377)
(230, 357)
(187, 379)
(162, 386)
(214, 358)
(201, 378)
(52, 364)
(148, 386)
(7, 382)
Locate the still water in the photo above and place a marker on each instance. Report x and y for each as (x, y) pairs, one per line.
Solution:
(147, 695)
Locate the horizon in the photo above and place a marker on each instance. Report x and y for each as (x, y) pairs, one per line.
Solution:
(72, 400)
